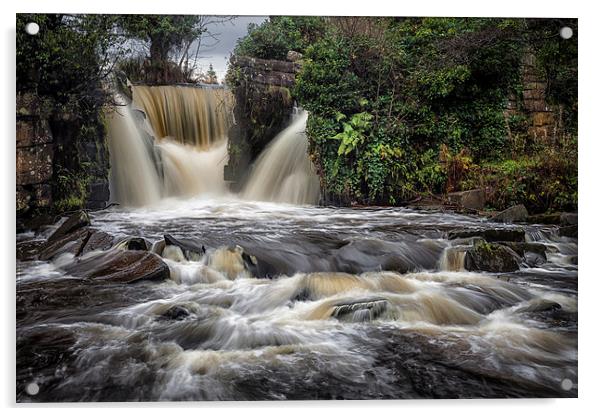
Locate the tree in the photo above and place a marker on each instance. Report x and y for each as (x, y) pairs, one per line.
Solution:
(168, 39)
(211, 77)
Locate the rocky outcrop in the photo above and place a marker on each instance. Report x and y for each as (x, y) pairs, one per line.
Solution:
(52, 148)
(262, 91)
(35, 154)
(517, 213)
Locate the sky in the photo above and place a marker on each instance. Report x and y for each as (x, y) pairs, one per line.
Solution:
(227, 34)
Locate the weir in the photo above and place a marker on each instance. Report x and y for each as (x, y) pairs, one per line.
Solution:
(171, 141)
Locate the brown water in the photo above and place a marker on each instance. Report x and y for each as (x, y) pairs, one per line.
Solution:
(368, 303)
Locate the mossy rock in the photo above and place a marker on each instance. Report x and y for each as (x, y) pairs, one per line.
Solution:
(491, 257)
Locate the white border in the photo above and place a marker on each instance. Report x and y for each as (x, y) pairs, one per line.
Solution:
(590, 167)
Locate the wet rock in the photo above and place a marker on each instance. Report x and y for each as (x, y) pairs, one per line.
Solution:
(554, 218)
(29, 250)
(119, 266)
(175, 313)
(360, 310)
(72, 243)
(190, 250)
(75, 221)
(569, 218)
(473, 199)
(568, 231)
(522, 248)
(491, 257)
(491, 234)
(534, 259)
(134, 243)
(98, 240)
(364, 255)
(517, 213)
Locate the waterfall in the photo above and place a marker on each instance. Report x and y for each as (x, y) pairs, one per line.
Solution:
(175, 146)
(171, 141)
(194, 116)
(283, 172)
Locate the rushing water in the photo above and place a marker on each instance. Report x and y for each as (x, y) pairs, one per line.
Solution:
(335, 325)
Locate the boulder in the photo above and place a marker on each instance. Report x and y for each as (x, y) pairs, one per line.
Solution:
(133, 243)
(77, 220)
(473, 199)
(491, 234)
(556, 218)
(29, 250)
(517, 213)
(568, 231)
(98, 240)
(72, 243)
(491, 257)
(175, 313)
(569, 218)
(191, 250)
(522, 248)
(120, 266)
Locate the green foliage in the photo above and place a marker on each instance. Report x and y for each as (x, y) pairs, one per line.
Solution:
(424, 83)
(280, 34)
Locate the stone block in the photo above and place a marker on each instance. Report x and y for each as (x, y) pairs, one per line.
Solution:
(33, 132)
(34, 164)
(473, 199)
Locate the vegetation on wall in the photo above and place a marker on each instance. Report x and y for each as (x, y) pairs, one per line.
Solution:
(407, 107)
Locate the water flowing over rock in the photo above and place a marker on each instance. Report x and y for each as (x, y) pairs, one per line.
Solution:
(283, 172)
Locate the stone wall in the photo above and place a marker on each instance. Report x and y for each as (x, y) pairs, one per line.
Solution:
(544, 121)
(263, 107)
(50, 146)
(35, 154)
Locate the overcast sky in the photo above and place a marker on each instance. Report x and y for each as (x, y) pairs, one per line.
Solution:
(227, 34)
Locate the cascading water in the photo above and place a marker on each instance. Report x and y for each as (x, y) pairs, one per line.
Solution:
(195, 116)
(284, 172)
(175, 146)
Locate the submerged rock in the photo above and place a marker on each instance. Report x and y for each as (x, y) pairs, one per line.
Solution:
(98, 240)
(72, 243)
(29, 250)
(119, 266)
(175, 313)
(360, 310)
(491, 234)
(491, 257)
(517, 213)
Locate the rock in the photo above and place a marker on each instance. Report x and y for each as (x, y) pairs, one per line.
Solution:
(473, 199)
(70, 243)
(491, 234)
(29, 250)
(360, 310)
(133, 243)
(191, 250)
(98, 240)
(568, 231)
(294, 56)
(75, 221)
(175, 313)
(557, 218)
(34, 164)
(534, 259)
(522, 248)
(120, 266)
(491, 257)
(569, 218)
(517, 213)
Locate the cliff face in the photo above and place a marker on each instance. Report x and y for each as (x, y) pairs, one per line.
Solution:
(61, 163)
(263, 108)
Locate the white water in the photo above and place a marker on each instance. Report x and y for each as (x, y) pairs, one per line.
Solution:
(283, 172)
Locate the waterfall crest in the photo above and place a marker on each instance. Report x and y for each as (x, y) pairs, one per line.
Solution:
(193, 116)
(283, 172)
